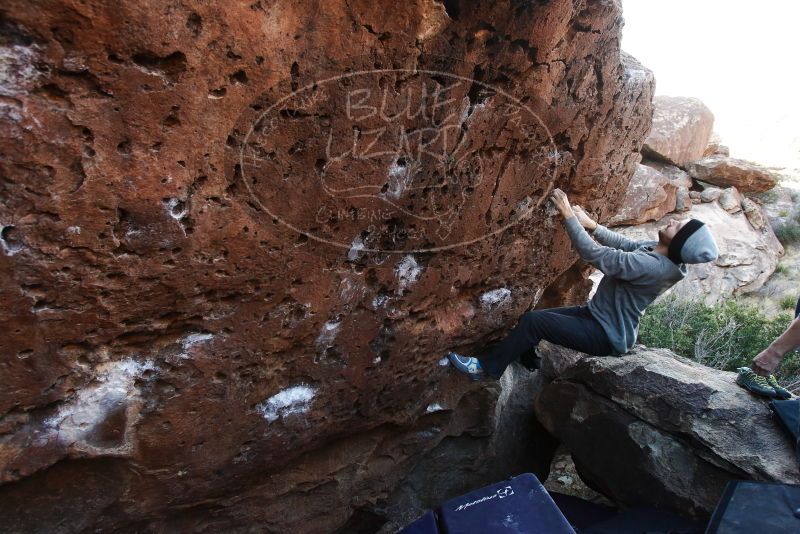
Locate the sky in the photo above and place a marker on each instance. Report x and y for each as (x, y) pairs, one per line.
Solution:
(739, 57)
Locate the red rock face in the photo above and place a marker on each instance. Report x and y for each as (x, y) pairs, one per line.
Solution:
(238, 237)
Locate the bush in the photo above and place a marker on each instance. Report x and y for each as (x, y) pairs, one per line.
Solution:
(788, 232)
(722, 336)
(787, 303)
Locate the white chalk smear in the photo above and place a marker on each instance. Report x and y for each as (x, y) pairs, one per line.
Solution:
(495, 297)
(328, 333)
(193, 339)
(356, 247)
(379, 301)
(435, 407)
(17, 69)
(407, 271)
(92, 404)
(294, 400)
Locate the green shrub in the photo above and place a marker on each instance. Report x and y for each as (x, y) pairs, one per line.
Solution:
(787, 303)
(723, 336)
(788, 233)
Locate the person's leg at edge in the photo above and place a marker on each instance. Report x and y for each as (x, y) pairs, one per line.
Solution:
(573, 327)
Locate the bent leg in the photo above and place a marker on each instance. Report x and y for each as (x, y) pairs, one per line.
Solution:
(574, 328)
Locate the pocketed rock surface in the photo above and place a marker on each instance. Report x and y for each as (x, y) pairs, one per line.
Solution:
(237, 239)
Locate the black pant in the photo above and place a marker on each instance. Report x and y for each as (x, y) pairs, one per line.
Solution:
(797, 309)
(572, 327)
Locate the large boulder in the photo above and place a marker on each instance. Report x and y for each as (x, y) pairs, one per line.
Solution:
(731, 172)
(748, 253)
(654, 429)
(681, 130)
(650, 196)
(237, 237)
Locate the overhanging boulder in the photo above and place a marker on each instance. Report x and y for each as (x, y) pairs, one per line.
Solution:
(218, 312)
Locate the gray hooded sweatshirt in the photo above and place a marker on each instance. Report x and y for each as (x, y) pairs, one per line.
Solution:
(634, 276)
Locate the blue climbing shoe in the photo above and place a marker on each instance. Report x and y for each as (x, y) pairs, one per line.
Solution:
(469, 366)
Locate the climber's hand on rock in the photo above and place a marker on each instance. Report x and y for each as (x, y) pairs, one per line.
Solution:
(561, 203)
(766, 362)
(583, 218)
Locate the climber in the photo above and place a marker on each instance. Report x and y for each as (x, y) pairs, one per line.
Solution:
(758, 377)
(635, 274)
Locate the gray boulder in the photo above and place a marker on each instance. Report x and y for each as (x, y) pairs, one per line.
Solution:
(654, 429)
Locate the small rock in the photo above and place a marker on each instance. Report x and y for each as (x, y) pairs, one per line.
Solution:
(730, 200)
(566, 480)
(561, 465)
(713, 144)
(710, 194)
(694, 195)
(683, 200)
(754, 214)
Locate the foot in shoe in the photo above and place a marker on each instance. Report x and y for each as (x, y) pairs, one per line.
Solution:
(780, 392)
(755, 383)
(467, 365)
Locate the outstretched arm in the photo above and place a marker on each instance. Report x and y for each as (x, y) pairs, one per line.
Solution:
(610, 261)
(603, 235)
(769, 359)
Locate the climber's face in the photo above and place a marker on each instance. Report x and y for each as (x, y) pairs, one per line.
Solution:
(666, 235)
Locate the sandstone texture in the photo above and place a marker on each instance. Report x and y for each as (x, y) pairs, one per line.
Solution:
(650, 196)
(681, 130)
(238, 238)
(731, 172)
(654, 429)
(749, 252)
